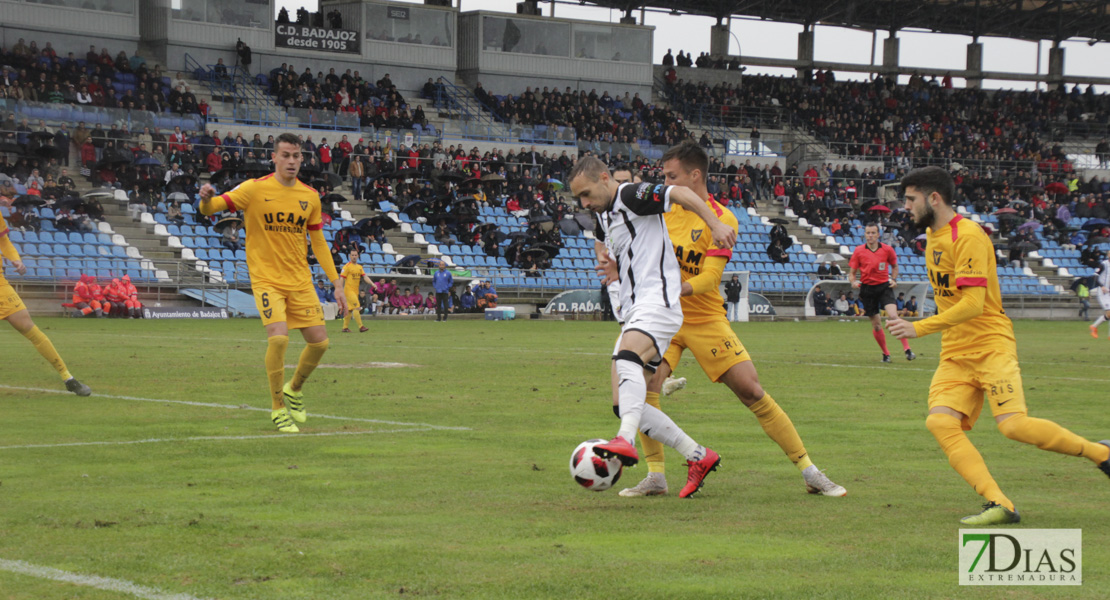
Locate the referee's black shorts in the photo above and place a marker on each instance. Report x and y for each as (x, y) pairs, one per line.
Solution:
(875, 297)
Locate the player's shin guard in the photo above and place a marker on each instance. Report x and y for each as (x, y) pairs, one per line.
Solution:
(964, 458)
(631, 390)
(275, 369)
(778, 426)
(655, 424)
(653, 450)
(46, 349)
(310, 358)
(1047, 435)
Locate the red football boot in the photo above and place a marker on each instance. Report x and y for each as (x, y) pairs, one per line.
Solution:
(698, 471)
(620, 448)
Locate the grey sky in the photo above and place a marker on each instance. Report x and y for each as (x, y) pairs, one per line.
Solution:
(779, 40)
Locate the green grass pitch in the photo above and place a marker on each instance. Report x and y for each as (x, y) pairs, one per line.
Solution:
(447, 477)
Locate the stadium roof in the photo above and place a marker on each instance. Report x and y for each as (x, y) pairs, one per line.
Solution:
(1018, 19)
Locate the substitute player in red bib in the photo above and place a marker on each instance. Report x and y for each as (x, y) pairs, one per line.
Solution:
(978, 352)
(874, 271)
(279, 211)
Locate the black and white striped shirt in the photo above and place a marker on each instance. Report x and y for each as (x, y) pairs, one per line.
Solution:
(635, 233)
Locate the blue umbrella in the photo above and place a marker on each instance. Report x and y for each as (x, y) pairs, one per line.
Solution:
(1030, 226)
(1093, 224)
(148, 161)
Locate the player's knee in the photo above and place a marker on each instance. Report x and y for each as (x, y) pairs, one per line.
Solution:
(940, 424)
(1013, 427)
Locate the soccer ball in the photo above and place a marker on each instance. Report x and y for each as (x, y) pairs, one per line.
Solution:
(590, 470)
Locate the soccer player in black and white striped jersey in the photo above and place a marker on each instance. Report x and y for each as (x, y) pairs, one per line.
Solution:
(630, 223)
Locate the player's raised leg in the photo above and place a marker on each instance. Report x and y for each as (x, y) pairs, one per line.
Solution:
(946, 425)
(743, 380)
(21, 321)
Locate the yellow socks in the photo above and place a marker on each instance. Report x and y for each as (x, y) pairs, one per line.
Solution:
(310, 358)
(653, 450)
(964, 458)
(347, 320)
(358, 317)
(777, 425)
(275, 368)
(46, 349)
(1047, 435)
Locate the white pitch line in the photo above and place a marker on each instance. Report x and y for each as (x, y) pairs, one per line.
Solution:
(93, 581)
(205, 438)
(234, 407)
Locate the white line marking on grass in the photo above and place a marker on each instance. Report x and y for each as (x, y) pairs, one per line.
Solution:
(367, 365)
(206, 438)
(234, 407)
(93, 581)
(900, 369)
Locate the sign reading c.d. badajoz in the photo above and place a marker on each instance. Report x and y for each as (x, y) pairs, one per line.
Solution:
(302, 37)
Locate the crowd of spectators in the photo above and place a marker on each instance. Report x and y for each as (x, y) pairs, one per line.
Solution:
(592, 117)
(98, 79)
(377, 104)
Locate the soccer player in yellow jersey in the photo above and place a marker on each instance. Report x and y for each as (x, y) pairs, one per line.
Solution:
(279, 211)
(353, 274)
(15, 313)
(978, 354)
(706, 330)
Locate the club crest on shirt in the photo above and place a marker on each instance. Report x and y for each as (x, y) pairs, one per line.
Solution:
(936, 256)
(304, 205)
(268, 312)
(695, 234)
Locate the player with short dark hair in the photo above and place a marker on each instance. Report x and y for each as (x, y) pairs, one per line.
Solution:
(353, 275)
(706, 331)
(279, 211)
(15, 312)
(631, 225)
(978, 354)
(873, 270)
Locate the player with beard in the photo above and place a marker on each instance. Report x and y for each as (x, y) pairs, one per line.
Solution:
(978, 356)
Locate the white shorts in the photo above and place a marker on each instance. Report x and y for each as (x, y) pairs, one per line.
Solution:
(1103, 300)
(657, 322)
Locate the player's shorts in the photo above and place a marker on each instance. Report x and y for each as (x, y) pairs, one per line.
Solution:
(352, 300)
(875, 298)
(10, 302)
(1104, 301)
(961, 382)
(714, 344)
(657, 322)
(298, 308)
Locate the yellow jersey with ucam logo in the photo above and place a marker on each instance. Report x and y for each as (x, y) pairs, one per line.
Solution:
(958, 256)
(693, 244)
(277, 219)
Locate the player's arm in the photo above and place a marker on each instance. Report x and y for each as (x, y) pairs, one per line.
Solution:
(320, 249)
(210, 203)
(7, 249)
(974, 256)
(893, 268)
(606, 267)
(708, 280)
(854, 271)
(723, 235)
